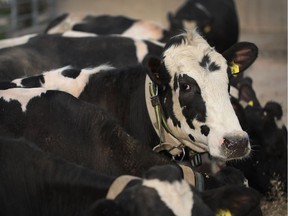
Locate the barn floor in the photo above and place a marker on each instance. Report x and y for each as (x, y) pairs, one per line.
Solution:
(269, 72)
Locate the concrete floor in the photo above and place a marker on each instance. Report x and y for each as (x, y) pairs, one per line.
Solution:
(269, 72)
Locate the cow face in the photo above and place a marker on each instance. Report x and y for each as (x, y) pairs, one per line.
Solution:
(193, 88)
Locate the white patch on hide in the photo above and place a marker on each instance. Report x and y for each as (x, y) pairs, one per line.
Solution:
(144, 30)
(141, 50)
(54, 80)
(78, 34)
(23, 96)
(177, 195)
(15, 41)
(67, 23)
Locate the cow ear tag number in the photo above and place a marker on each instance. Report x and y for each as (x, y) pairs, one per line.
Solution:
(234, 69)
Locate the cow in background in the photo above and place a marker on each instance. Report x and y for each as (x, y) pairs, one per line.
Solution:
(268, 134)
(34, 182)
(108, 25)
(216, 20)
(46, 52)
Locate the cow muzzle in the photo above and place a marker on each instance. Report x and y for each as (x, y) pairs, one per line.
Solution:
(235, 146)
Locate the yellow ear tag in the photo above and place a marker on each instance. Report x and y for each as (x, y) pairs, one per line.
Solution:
(223, 212)
(251, 103)
(234, 69)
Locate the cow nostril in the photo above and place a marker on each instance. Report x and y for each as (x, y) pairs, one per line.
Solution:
(235, 146)
(235, 142)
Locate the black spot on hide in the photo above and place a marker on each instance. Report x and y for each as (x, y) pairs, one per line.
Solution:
(213, 67)
(33, 81)
(191, 101)
(168, 106)
(191, 137)
(208, 65)
(71, 73)
(205, 130)
(175, 82)
(205, 61)
(175, 41)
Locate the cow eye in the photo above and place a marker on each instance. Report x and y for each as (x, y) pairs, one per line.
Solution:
(185, 87)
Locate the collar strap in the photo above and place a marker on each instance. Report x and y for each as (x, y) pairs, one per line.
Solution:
(199, 182)
(168, 141)
(193, 178)
(155, 101)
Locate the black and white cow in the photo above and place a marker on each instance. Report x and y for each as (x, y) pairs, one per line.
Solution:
(216, 20)
(107, 25)
(84, 134)
(37, 183)
(46, 52)
(192, 84)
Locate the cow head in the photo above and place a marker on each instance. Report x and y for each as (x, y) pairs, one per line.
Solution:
(216, 20)
(193, 81)
(190, 15)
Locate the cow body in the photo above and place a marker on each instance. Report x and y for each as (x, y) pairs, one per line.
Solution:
(96, 140)
(107, 25)
(217, 21)
(46, 118)
(127, 87)
(46, 52)
(44, 184)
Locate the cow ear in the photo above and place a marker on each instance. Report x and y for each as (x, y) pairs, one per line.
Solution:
(153, 65)
(240, 56)
(170, 18)
(106, 207)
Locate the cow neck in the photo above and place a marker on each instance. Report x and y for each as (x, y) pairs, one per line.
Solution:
(168, 141)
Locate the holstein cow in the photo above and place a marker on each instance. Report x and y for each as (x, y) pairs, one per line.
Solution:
(46, 52)
(216, 20)
(83, 133)
(107, 25)
(189, 92)
(36, 183)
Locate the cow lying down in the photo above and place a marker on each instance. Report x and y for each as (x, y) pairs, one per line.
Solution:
(37, 53)
(37, 183)
(216, 20)
(85, 134)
